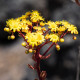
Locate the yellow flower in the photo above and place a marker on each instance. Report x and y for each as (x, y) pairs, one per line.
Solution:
(65, 23)
(58, 22)
(35, 38)
(14, 24)
(73, 29)
(35, 16)
(31, 39)
(24, 28)
(29, 22)
(24, 21)
(61, 28)
(54, 38)
(40, 37)
(52, 26)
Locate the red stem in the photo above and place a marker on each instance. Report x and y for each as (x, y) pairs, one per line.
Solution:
(63, 34)
(44, 44)
(48, 49)
(22, 35)
(38, 62)
(46, 31)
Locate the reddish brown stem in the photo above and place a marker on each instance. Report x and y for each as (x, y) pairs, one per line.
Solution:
(63, 34)
(38, 62)
(44, 44)
(48, 49)
(22, 35)
(77, 1)
(46, 31)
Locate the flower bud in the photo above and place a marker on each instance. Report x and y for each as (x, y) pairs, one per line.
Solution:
(34, 51)
(9, 37)
(23, 44)
(26, 52)
(61, 40)
(6, 29)
(58, 47)
(12, 37)
(74, 38)
(30, 50)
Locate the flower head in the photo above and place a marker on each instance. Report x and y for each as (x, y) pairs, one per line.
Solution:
(35, 38)
(14, 24)
(73, 29)
(35, 16)
(54, 38)
(52, 26)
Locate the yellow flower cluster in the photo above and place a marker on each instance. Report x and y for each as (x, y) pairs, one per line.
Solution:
(32, 26)
(61, 26)
(35, 38)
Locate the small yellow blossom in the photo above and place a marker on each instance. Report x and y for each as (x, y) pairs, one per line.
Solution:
(35, 16)
(14, 24)
(24, 21)
(52, 26)
(58, 22)
(54, 38)
(40, 37)
(73, 29)
(28, 22)
(61, 29)
(34, 38)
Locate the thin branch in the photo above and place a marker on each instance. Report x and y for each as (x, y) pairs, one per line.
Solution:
(46, 31)
(48, 49)
(22, 35)
(44, 44)
(63, 34)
